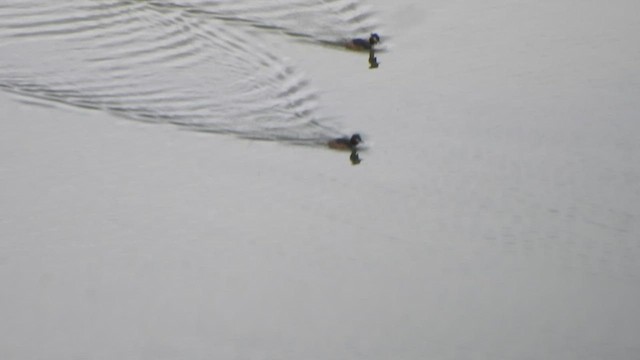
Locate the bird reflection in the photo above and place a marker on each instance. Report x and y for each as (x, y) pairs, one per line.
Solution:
(373, 60)
(355, 158)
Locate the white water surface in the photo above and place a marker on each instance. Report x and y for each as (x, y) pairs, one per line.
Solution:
(494, 216)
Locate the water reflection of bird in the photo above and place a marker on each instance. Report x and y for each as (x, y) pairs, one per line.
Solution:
(373, 60)
(363, 44)
(345, 143)
(355, 158)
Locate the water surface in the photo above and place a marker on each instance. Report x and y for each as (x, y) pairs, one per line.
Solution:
(201, 64)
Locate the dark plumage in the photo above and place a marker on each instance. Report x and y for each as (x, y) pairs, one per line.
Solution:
(346, 143)
(363, 44)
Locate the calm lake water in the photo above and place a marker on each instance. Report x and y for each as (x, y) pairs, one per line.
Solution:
(495, 214)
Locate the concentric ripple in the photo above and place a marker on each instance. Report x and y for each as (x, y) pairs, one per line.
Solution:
(190, 63)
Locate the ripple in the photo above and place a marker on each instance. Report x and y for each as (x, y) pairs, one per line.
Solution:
(191, 63)
(327, 21)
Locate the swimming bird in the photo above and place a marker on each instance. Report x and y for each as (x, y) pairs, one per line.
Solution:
(345, 143)
(362, 44)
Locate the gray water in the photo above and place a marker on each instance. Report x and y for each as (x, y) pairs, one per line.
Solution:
(496, 215)
(206, 65)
